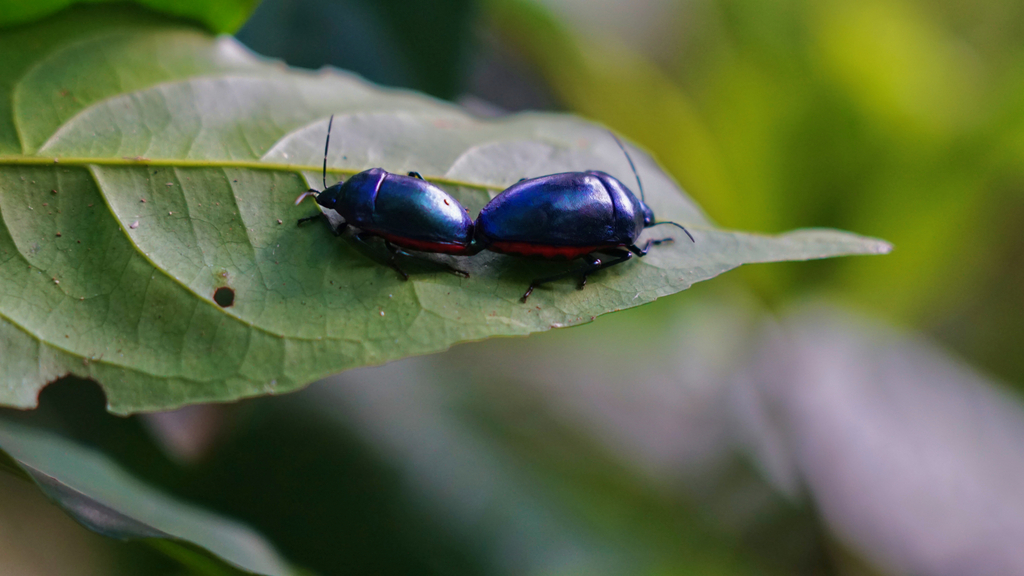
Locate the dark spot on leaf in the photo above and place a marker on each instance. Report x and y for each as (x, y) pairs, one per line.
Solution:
(224, 297)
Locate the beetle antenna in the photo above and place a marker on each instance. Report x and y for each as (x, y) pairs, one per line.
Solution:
(326, 146)
(680, 226)
(631, 165)
(306, 194)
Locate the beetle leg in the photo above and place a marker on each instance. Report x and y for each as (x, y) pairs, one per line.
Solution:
(455, 270)
(336, 231)
(363, 238)
(447, 267)
(620, 257)
(393, 251)
(641, 252)
(416, 175)
(308, 218)
(537, 282)
(593, 261)
(398, 250)
(594, 264)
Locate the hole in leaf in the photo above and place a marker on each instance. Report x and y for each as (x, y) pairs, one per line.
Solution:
(224, 297)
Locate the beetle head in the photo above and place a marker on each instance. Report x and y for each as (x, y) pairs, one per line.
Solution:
(648, 214)
(329, 197)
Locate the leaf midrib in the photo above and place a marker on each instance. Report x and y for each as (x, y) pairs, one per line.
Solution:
(25, 160)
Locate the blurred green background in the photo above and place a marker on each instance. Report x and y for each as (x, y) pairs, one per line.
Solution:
(897, 119)
(634, 445)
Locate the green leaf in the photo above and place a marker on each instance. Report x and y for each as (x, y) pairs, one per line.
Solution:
(224, 16)
(102, 497)
(149, 167)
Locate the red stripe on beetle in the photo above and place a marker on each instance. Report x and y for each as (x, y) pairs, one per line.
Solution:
(542, 251)
(425, 246)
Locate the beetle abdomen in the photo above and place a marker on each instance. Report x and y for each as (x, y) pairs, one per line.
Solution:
(415, 210)
(564, 215)
(571, 209)
(408, 211)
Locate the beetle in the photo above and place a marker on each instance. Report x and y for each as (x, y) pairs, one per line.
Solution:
(568, 216)
(406, 212)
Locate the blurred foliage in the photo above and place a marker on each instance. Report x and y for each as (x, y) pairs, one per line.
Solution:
(224, 16)
(323, 497)
(97, 493)
(420, 44)
(899, 119)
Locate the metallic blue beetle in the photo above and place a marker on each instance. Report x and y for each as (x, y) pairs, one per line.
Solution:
(568, 216)
(405, 211)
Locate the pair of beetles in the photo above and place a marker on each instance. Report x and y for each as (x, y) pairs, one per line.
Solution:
(556, 217)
